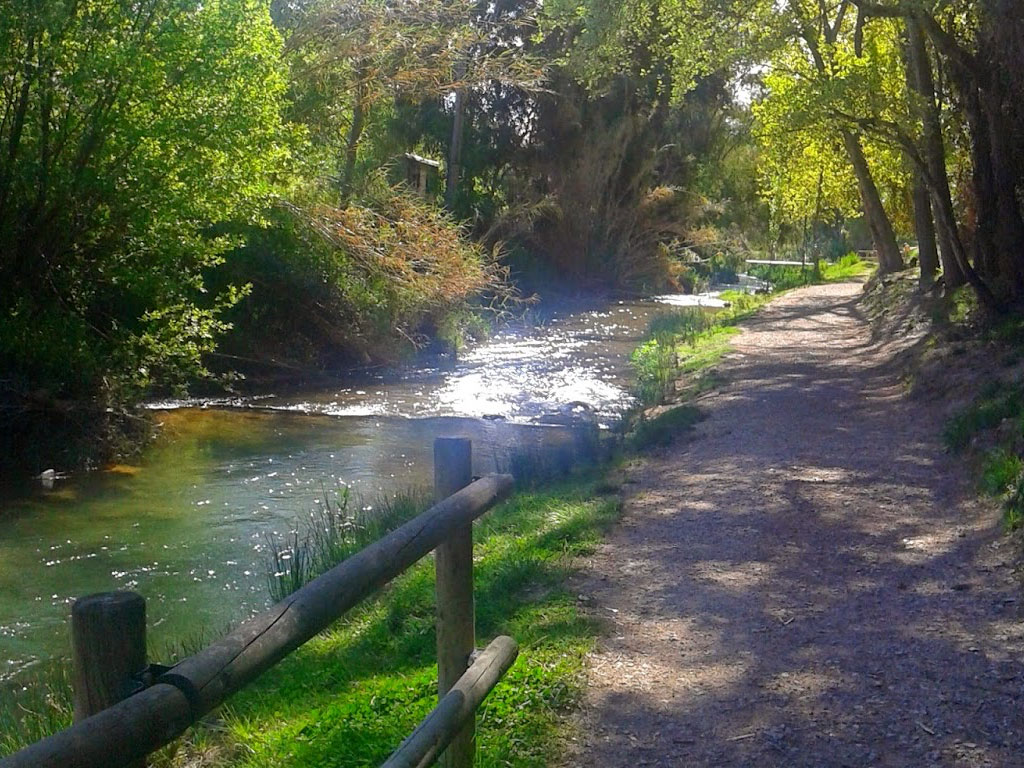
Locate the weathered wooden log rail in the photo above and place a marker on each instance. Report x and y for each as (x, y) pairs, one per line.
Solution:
(116, 727)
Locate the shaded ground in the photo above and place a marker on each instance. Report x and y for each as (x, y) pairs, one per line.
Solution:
(808, 582)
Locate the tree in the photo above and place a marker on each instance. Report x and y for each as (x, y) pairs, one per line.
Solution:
(980, 46)
(351, 57)
(130, 133)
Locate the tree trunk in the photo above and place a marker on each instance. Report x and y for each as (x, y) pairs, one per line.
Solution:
(355, 132)
(934, 153)
(1009, 227)
(451, 185)
(924, 224)
(924, 227)
(1003, 33)
(983, 183)
(889, 257)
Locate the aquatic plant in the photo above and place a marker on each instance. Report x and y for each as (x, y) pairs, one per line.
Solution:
(340, 526)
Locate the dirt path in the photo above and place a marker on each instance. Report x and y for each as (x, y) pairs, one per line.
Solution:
(809, 581)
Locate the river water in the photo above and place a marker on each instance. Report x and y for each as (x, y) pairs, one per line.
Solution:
(188, 526)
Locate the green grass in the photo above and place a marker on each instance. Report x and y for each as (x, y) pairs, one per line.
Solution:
(38, 702)
(339, 527)
(682, 345)
(995, 405)
(1000, 469)
(997, 416)
(686, 342)
(783, 278)
(36, 706)
(354, 692)
(848, 267)
(1013, 504)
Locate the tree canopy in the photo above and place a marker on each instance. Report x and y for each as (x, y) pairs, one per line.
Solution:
(170, 169)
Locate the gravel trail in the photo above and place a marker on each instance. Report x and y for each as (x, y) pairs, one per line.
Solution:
(808, 581)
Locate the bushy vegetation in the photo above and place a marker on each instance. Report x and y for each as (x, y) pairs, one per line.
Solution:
(664, 427)
(783, 278)
(132, 135)
(375, 281)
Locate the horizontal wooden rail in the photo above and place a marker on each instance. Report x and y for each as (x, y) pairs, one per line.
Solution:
(426, 743)
(777, 263)
(141, 724)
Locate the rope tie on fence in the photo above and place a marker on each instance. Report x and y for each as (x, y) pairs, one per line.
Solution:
(188, 690)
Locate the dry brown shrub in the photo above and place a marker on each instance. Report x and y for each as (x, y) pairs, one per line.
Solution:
(419, 260)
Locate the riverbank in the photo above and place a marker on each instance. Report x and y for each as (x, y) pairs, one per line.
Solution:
(284, 691)
(360, 688)
(553, 357)
(812, 579)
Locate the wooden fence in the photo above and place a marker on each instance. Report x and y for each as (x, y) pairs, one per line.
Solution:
(126, 709)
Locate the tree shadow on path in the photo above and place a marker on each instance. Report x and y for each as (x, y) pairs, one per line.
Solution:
(809, 582)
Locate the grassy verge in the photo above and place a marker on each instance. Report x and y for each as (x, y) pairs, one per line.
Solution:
(687, 343)
(848, 267)
(353, 693)
(349, 696)
(676, 361)
(991, 432)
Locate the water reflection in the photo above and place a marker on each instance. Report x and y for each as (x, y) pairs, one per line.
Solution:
(188, 527)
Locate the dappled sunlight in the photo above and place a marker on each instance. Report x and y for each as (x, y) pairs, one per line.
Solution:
(807, 551)
(733, 576)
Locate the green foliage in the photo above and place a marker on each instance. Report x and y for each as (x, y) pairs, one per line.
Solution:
(783, 278)
(375, 280)
(817, 87)
(846, 268)
(686, 342)
(997, 416)
(36, 706)
(655, 363)
(999, 471)
(1013, 503)
(133, 134)
(986, 413)
(960, 307)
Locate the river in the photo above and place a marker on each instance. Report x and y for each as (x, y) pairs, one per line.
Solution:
(188, 525)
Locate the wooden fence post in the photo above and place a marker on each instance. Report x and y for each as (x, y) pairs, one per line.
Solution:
(108, 648)
(456, 635)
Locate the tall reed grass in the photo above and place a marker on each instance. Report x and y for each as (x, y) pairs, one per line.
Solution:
(656, 361)
(340, 526)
